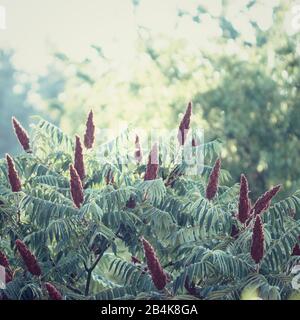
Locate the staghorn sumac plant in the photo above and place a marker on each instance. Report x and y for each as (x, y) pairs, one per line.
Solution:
(54, 294)
(71, 223)
(89, 136)
(21, 135)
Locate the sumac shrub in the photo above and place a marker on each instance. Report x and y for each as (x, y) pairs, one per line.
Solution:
(77, 226)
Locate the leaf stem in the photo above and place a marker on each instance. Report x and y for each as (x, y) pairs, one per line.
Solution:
(91, 269)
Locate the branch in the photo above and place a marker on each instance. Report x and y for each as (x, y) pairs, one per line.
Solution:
(91, 269)
(73, 289)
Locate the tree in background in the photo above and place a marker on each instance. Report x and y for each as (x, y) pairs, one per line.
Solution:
(50, 88)
(13, 101)
(254, 104)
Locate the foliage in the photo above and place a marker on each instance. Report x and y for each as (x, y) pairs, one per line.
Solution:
(92, 250)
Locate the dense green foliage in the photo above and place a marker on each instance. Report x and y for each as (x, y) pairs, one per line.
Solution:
(86, 252)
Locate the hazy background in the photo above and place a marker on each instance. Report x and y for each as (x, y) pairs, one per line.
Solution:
(141, 61)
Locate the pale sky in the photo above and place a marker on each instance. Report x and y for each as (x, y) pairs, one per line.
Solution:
(34, 28)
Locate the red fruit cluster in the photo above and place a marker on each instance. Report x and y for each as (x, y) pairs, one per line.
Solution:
(131, 203)
(234, 231)
(3, 260)
(89, 136)
(152, 166)
(13, 175)
(109, 179)
(29, 259)
(54, 294)
(78, 159)
(263, 202)
(8, 276)
(244, 201)
(296, 250)
(185, 125)
(190, 287)
(194, 143)
(158, 275)
(4, 263)
(21, 134)
(76, 187)
(257, 246)
(213, 181)
(138, 151)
